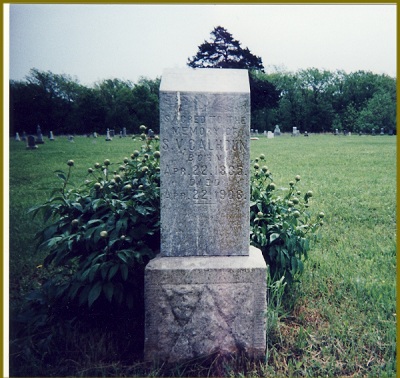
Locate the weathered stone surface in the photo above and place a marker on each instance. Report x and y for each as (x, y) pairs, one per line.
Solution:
(197, 306)
(205, 147)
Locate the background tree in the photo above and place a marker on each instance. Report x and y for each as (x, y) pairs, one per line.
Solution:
(223, 51)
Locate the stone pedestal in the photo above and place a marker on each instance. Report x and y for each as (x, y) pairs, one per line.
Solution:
(200, 305)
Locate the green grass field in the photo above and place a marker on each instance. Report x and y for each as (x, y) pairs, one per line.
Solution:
(344, 317)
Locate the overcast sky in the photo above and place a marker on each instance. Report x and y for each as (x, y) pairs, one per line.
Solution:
(97, 42)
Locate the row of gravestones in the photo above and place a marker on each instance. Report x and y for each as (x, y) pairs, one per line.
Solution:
(32, 142)
(373, 132)
(277, 132)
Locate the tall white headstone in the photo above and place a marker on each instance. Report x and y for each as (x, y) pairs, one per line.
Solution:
(206, 292)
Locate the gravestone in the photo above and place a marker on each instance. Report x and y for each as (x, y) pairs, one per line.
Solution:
(205, 292)
(108, 137)
(306, 133)
(295, 132)
(71, 138)
(270, 135)
(51, 136)
(373, 132)
(39, 139)
(17, 138)
(336, 132)
(124, 132)
(277, 131)
(112, 133)
(23, 137)
(382, 131)
(31, 143)
(95, 135)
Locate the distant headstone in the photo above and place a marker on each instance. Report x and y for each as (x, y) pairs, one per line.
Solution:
(108, 136)
(95, 135)
(252, 131)
(51, 136)
(112, 133)
(277, 131)
(270, 135)
(205, 292)
(17, 138)
(295, 132)
(71, 138)
(124, 132)
(39, 139)
(256, 131)
(382, 131)
(336, 132)
(306, 133)
(23, 137)
(373, 132)
(31, 143)
(391, 132)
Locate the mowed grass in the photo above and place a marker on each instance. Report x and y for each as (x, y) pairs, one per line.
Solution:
(344, 317)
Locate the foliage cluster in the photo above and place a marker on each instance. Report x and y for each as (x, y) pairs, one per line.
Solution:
(59, 103)
(316, 100)
(281, 224)
(103, 231)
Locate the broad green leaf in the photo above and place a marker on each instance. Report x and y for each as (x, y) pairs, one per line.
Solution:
(108, 289)
(94, 293)
(122, 256)
(113, 270)
(124, 271)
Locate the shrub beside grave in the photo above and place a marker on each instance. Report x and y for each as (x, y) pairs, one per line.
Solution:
(100, 235)
(280, 223)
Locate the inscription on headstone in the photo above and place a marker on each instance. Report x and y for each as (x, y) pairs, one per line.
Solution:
(205, 139)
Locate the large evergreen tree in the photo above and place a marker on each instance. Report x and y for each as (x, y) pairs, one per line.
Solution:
(223, 51)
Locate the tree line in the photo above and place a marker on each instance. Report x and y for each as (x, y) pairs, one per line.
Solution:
(316, 100)
(312, 100)
(59, 103)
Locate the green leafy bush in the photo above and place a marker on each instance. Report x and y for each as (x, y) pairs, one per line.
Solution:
(280, 223)
(102, 233)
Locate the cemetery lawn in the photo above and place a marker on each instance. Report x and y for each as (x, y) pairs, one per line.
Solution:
(341, 319)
